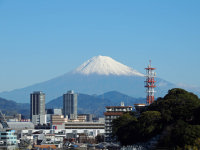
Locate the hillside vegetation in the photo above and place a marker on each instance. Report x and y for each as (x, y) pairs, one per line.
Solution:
(175, 117)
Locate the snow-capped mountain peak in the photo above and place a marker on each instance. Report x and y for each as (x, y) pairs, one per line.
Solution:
(104, 65)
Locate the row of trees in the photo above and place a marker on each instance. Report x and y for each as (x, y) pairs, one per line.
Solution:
(175, 117)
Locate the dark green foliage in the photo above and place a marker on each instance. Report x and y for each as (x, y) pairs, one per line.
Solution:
(149, 124)
(99, 138)
(175, 118)
(196, 116)
(177, 93)
(177, 104)
(125, 124)
(130, 129)
(185, 134)
(123, 120)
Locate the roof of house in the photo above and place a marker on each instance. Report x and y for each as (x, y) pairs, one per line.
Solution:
(118, 106)
(113, 113)
(45, 146)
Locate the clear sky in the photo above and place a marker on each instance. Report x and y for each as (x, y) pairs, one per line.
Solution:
(42, 39)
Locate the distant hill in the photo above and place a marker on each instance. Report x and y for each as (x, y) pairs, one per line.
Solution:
(117, 97)
(96, 104)
(86, 104)
(10, 107)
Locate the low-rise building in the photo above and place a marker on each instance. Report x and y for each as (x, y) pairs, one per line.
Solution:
(15, 117)
(85, 117)
(18, 126)
(53, 111)
(58, 121)
(8, 139)
(39, 119)
(90, 128)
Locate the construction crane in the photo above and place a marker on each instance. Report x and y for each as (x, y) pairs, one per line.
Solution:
(3, 121)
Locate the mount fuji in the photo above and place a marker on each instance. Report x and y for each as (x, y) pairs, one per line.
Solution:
(98, 75)
(104, 65)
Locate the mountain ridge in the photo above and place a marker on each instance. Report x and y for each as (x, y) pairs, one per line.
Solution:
(10, 107)
(95, 104)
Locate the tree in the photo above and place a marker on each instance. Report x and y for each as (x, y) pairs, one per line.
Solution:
(124, 124)
(129, 130)
(185, 134)
(99, 138)
(177, 104)
(149, 123)
(175, 117)
(122, 121)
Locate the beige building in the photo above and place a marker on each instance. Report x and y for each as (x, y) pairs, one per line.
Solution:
(58, 121)
(82, 118)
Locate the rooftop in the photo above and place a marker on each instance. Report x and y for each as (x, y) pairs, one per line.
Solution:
(119, 107)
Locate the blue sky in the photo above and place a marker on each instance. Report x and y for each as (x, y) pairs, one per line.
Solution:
(40, 40)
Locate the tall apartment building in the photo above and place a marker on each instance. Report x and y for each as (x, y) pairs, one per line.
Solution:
(37, 108)
(70, 105)
(113, 112)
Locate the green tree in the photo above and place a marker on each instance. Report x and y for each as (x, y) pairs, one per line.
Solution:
(177, 104)
(122, 121)
(185, 134)
(124, 124)
(175, 117)
(149, 124)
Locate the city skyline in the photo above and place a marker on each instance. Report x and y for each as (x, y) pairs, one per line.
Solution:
(57, 37)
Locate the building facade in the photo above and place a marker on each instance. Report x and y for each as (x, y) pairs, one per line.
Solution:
(85, 117)
(8, 139)
(70, 105)
(58, 121)
(90, 128)
(113, 112)
(37, 108)
(50, 112)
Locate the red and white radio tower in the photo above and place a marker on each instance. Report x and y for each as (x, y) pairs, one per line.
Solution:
(150, 83)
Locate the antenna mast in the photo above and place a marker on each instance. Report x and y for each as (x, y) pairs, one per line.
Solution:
(150, 83)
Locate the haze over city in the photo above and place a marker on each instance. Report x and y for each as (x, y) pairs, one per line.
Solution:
(40, 40)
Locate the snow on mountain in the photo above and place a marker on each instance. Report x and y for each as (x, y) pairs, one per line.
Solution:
(104, 65)
(98, 75)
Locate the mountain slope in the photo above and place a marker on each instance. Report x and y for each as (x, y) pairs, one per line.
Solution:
(10, 107)
(118, 97)
(98, 75)
(86, 104)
